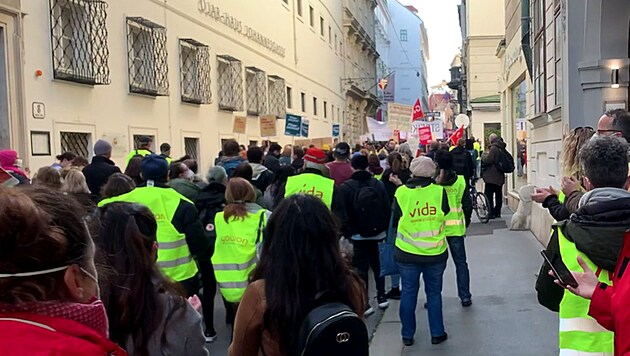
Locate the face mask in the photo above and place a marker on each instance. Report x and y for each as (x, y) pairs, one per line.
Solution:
(190, 174)
(53, 270)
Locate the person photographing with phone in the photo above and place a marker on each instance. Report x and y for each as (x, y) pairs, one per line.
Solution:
(594, 234)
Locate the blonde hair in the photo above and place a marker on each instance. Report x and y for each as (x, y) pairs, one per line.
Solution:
(571, 146)
(75, 182)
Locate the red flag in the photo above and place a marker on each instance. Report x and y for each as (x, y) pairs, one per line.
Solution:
(417, 111)
(457, 135)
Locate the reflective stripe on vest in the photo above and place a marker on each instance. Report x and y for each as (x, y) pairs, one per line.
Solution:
(174, 257)
(235, 253)
(578, 332)
(421, 225)
(565, 352)
(455, 220)
(312, 184)
(561, 197)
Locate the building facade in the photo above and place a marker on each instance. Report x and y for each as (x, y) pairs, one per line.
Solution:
(383, 25)
(177, 71)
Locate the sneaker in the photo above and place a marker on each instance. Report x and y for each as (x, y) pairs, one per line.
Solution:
(368, 311)
(466, 302)
(393, 293)
(439, 339)
(382, 301)
(211, 336)
(407, 342)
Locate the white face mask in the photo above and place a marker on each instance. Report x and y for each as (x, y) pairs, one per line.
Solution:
(53, 270)
(190, 174)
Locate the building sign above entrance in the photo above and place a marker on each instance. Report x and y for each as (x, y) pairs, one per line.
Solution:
(214, 12)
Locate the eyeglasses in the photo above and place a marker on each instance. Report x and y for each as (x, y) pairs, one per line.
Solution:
(607, 132)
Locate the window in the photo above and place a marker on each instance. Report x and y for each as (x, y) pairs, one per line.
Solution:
(299, 8)
(332, 112)
(194, 59)
(79, 41)
(321, 26)
(256, 86)
(77, 142)
(336, 42)
(311, 16)
(325, 109)
(191, 147)
(137, 138)
(147, 58)
(230, 83)
(303, 102)
(278, 96)
(286, 1)
(540, 88)
(403, 35)
(315, 106)
(289, 98)
(329, 35)
(558, 39)
(338, 114)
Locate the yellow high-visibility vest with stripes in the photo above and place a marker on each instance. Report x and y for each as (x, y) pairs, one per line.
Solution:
(312, 184)
(235, 253)
(174, 257)
(455, 224)
(139, 152)
(579, 333)
(421, 225)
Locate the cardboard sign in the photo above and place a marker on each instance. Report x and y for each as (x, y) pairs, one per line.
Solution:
(293, 125)
(268, 126)
(424, 134)
(240, 124)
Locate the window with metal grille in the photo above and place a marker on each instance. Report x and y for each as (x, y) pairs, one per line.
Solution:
(256, 84)
(277, 98)
(136, 140)
(230, 85)
(79, 41)
(191, 147)
(77, 142)
(147, 57)
(194, 58)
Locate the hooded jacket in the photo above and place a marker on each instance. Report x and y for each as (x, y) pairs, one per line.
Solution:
(230, 163)
(490, 160)
(185, 187)
(463, 163)
(597, 230)
(262, 176)
(7, 162)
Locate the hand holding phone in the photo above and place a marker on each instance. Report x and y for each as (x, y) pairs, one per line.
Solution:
(560, 270)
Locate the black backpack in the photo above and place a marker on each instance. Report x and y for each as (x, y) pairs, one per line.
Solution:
(505, 164)
(370, 209)
(332, 329)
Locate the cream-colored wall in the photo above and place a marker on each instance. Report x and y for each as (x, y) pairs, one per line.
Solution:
(483, 67)
(486, 17)
(310, 65)
(479, 118)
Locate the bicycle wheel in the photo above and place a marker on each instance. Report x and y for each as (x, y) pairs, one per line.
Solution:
(482, 207)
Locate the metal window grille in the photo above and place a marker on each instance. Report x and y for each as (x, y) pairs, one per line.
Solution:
(136, 140)
(256, 84)
(277, 98)
(147, 57)
(79, 41)
(195, 71)
(230, 83)
(77, 142)
(191, 147)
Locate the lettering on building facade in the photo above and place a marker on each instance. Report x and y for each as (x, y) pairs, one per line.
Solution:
(214, 12)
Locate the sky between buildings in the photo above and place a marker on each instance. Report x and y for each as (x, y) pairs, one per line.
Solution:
(442, 22)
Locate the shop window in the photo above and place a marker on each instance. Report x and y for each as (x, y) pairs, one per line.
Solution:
(147, 57)
(77, 142)
(230, 83)
(256, 84)
(191, 147)
(519, 113)
(278, 102)
(79, 41)
(195, 71)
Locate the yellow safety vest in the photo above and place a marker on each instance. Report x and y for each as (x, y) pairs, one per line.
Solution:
(421, 225)
(378, 176)
(312, 184)
(477, 147)
(455, 224)
(174, 257)
(235, 252)
(139, 152)
(578, 331)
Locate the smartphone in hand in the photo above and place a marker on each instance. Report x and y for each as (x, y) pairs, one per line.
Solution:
(560, 270)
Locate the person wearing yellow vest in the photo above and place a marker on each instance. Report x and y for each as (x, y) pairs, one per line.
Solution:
(238, 232)
(143, 149)
(595, 233)
(312, 180)
(180, 235)
(419, 215)
(457, 221)
(165, 151)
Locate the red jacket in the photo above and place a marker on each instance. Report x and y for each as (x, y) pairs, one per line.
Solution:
(38, 335)
(609, 305)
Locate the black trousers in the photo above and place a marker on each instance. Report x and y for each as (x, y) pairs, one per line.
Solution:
(190, 285)
(495, 197)
(366, 255)
(209, 291)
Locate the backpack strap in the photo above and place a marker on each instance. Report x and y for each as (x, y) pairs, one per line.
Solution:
(260, 225)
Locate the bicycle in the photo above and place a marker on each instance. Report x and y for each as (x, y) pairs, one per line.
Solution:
(481, 204)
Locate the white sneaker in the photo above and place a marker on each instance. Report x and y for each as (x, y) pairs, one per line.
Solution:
(210, 337)
(383, 303)
(368, 311)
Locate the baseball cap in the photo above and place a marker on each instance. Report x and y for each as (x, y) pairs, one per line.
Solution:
(342, 149)
(315, 155)
(154, 167)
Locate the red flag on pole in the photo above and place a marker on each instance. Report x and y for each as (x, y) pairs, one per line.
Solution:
(457, 135)
(417, 111)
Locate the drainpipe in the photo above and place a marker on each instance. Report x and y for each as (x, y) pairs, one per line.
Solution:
(526, 22)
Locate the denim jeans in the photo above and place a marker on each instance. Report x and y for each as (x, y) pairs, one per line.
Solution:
(432, 275)
(458, 251)
(395, 280)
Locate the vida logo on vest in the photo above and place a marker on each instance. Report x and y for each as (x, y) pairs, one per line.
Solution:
(312, 191)
(424, 211)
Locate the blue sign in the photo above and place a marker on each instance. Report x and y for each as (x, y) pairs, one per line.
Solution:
(335, 132)
(293, 125)
(304, 128)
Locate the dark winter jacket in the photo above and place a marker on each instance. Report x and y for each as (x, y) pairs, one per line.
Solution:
(490, 161)
(298, 164)
(230, 163)
(272, 162)
(186, 188)
(97, 173)
(348, 191)
(463, 163)
(210, 201)
(597, 229)
(262, 176)
(402, 256)
(390, 187)
(450, 179)
(557, 209)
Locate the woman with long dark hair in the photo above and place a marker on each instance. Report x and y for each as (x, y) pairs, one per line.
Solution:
(300, 258)
(133, 170)
(272, 196)
(148, 314)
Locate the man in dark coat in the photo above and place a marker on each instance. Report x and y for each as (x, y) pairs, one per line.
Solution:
(463, 163)
(98, 172)
(493, 178)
